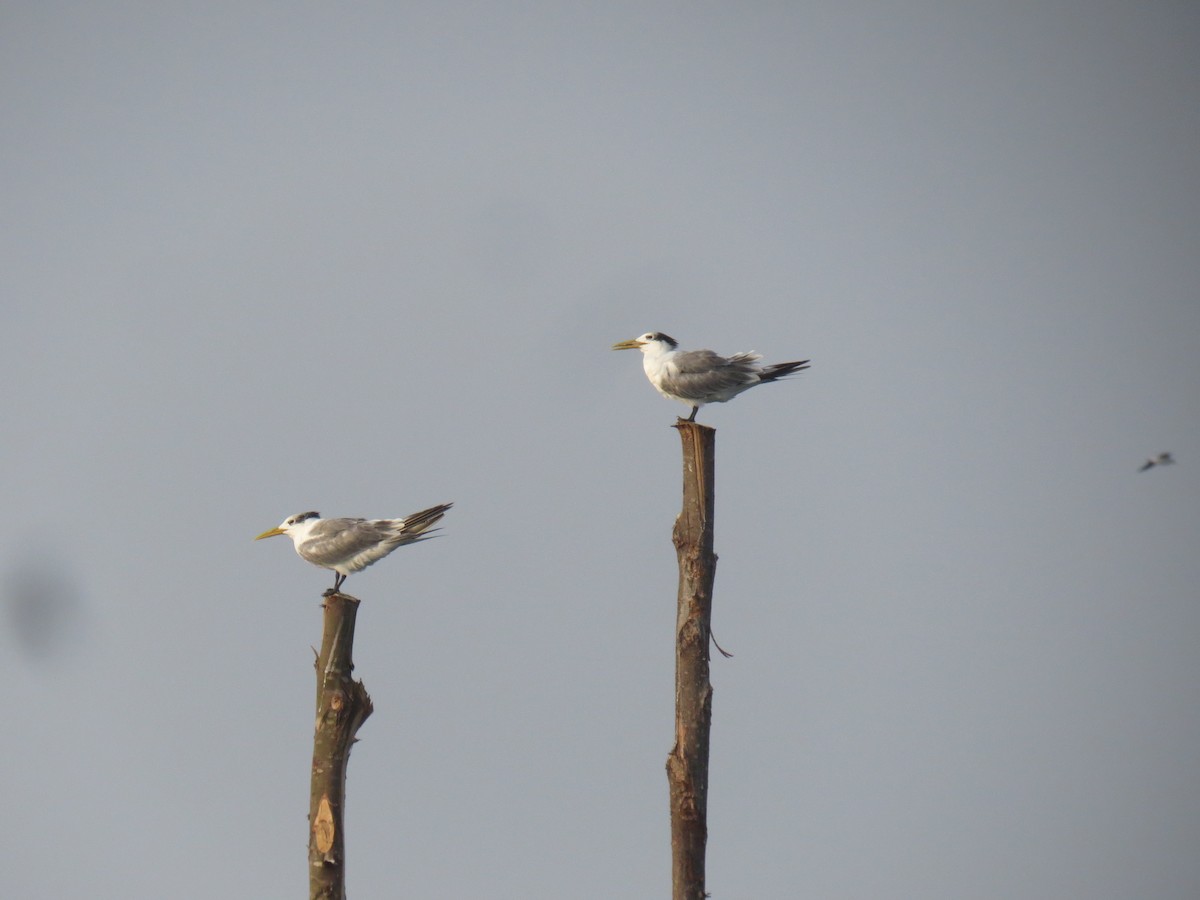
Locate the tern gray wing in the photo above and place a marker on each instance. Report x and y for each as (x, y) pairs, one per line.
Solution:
(703, 375)
(336, 540)
(698, 362)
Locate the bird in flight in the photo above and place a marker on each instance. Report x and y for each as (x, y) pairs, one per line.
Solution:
(1163, 459)
(350, 545)
(697, 377)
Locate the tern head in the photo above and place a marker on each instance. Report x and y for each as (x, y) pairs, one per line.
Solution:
(651, 340)
(291, 525)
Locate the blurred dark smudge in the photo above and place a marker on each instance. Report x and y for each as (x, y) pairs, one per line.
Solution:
(42, 606)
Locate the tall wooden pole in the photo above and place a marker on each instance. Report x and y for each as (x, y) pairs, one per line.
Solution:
(687, 764)
(342, 706)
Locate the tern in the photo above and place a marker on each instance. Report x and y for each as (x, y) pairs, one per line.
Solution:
(350, 545)
(1163, 459)
(697, 377)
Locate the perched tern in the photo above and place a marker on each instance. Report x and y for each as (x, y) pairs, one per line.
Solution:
(697, 377)
(1163, 459)
(350, 545)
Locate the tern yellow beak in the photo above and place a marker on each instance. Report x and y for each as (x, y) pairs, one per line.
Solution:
(631, 344)
(274, 531)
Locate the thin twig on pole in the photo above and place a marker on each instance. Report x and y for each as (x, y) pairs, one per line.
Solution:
(342, 706)
(687, 764)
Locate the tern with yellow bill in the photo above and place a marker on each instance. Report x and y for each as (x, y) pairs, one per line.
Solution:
(350, 545)
(697, 377)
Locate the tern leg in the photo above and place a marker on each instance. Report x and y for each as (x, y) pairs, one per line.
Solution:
(692, 417)
(338, 578)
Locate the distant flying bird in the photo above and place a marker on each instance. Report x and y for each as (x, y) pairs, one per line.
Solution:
(1163, 459)
(697, 377)
(350, 545)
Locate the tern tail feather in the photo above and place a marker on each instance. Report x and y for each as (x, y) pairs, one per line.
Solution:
(420, 522)
(779, 370)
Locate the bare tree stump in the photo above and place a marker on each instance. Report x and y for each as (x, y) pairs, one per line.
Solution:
(687, 764)
(342, 706)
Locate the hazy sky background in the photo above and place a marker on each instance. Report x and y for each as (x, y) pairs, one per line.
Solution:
(364, 258)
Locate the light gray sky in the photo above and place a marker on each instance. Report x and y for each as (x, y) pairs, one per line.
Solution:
(366, 258)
